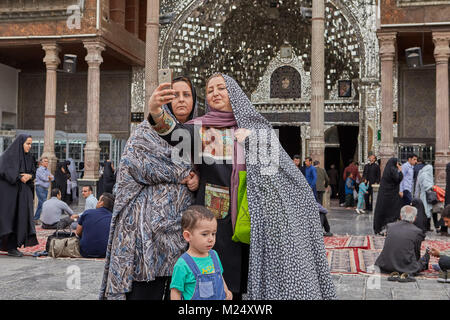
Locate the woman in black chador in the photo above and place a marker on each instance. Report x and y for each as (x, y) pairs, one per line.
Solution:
(388, 201)
(109, 177)
(17, 173)
(61, 176)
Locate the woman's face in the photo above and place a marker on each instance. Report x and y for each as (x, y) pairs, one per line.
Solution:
(184, 102)
(217, 95)
(27, 145)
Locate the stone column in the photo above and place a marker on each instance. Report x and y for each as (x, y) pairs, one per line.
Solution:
(388, 49)
(151, 50)
(92, 149)
(52, 61)
(132, 17)
(317, 142)
(441, 55)
(117, 11)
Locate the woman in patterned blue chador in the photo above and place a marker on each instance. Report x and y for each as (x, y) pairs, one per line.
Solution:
(151, 192)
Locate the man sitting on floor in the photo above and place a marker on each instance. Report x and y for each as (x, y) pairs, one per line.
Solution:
(444, 257)
(52, 210)
(91, 202)
(93, 228)
(401, 251)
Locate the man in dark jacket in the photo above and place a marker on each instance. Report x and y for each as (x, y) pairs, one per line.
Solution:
(373, 175)
(401, 251)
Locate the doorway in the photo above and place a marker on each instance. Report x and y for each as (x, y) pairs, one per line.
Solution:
(290, 139)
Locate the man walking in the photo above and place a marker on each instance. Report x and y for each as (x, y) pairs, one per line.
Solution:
(406, 186)
(321, 182)
(372, 173)
(311, 175)
(42, 183)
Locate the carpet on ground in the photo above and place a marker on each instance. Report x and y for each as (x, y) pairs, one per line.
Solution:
(357, 254)
(342, 261)
(42, 235)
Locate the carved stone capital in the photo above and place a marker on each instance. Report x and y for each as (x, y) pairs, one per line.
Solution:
(441, 46)
(51, 58)
(388, 45)
(94, 55)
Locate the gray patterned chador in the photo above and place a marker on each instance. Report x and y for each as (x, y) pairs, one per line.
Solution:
(287, 252)
(145, 239)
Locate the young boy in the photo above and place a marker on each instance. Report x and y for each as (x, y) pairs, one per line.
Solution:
(349, 187)
(363, 186)
(200, 261)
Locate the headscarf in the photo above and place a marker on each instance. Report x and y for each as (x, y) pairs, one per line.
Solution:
(14, 160)
(287, 252)
(390, 171)
(194, 110)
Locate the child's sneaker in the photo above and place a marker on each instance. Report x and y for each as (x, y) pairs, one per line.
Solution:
(357, 211)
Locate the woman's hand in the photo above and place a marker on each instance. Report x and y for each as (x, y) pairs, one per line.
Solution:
(159, 98)
(192, 181)
(25, 177)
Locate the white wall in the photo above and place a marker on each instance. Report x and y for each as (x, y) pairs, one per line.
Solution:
(9, 84)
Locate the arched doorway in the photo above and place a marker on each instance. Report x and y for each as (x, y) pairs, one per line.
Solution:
(341, 146)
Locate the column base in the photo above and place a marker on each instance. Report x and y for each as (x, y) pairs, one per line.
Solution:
(91, 162)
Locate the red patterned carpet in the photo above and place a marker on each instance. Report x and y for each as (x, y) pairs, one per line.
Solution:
(357, 254)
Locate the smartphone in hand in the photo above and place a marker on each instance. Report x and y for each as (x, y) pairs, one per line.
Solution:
(165, 76)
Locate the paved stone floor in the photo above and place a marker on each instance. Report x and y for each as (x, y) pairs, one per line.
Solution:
(29, 278)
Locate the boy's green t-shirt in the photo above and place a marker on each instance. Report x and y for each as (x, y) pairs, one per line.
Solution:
(183, 278)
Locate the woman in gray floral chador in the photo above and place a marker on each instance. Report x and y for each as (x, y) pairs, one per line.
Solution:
(146, 238)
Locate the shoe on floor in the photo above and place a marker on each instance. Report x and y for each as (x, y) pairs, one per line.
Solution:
(406, 278)
(444, 277)
(394, 276)
(15, 253)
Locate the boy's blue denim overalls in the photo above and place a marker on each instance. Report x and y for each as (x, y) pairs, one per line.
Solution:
(209, 286)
